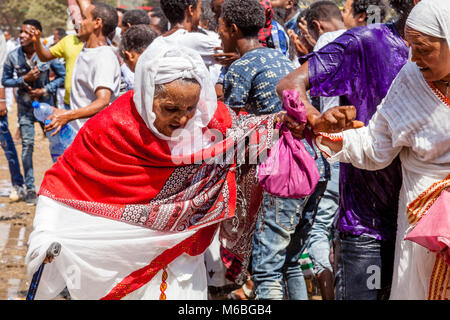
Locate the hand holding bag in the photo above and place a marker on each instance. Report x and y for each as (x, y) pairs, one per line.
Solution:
(289, 170)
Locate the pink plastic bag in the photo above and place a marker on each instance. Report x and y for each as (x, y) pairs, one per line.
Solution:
(433, 229)
(289, 170)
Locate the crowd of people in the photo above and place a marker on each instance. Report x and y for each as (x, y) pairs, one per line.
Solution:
(157, 196)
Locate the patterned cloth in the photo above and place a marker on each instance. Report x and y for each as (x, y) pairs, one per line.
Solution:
(265, 33)
(250, 81)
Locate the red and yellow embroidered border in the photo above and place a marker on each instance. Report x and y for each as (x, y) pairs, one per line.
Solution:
(425, 200)
(441, 271)
(439, 280)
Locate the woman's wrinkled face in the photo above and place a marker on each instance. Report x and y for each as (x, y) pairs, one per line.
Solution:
(175, 106)
(431, 54)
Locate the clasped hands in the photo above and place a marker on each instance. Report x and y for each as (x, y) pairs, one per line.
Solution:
(334, 120)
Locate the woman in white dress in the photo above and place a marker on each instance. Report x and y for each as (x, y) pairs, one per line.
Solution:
(413, 121)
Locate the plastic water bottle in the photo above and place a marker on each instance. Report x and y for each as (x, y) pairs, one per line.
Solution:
(60, 141)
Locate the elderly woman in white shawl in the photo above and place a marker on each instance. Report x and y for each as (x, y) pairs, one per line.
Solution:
(413, 121)
(135, 200)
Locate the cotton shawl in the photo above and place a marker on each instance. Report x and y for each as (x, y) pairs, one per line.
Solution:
(116, 168)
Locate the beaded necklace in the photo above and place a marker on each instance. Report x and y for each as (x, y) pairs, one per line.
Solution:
(440, 95)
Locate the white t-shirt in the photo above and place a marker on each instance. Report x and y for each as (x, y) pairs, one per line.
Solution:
(203, 43)
(95, 68)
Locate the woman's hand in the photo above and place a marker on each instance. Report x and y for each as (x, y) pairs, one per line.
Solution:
(336, 119)
(293, 126)
(59, 119)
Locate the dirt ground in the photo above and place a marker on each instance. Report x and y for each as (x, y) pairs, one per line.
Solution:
(16, 219)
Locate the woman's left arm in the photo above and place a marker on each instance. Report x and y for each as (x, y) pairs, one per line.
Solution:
(369, 148)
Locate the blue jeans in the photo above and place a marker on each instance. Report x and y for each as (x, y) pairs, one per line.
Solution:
(26, 127)
(281, 237)
(364, 267)
(10, 152)
(320, 241)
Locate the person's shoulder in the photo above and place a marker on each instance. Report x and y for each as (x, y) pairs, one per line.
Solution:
(72, 39)
(409, 72)
(374, 32)
(14, 52)
(106, 51)
(274, 55)
(263, 55)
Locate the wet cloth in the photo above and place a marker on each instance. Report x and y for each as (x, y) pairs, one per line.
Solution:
(361, 65)
(413, 122)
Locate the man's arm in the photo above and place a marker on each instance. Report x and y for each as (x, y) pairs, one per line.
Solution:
(299, 80)
(3, 109)
(8, 79)
(62, 117)
(335, 119)
(42, 52)
(83, 4)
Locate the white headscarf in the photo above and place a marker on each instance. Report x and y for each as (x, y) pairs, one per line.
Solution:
(431, 17)
(160, 64)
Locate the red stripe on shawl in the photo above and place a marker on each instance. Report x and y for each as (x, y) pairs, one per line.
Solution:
(115, 158)
(194, 245)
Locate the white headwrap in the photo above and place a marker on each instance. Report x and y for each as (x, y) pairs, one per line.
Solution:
(160, 64)
(431, 17)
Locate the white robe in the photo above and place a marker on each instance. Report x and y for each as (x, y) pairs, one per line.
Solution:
(414, 123)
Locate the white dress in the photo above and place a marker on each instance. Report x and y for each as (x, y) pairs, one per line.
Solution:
(123, 248)
(414, 123)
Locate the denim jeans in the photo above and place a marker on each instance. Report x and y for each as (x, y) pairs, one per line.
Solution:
(26, 127)
(320, 241)
(10, 152)
(281, 237)
(364, 267)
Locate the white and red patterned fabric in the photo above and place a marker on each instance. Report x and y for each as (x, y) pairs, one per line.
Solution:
(116, 168)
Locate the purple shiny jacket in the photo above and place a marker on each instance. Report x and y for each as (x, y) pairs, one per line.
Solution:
(360, 66)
